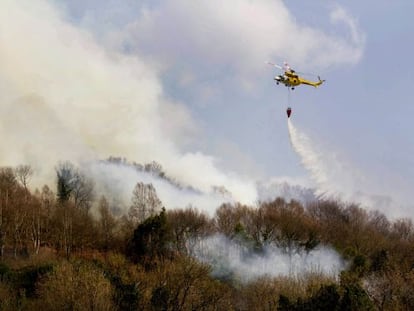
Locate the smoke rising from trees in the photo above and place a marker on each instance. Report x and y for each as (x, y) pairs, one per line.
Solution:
(235, 259)
(67, 98)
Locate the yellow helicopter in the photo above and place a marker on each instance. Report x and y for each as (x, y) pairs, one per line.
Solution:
(291, 79)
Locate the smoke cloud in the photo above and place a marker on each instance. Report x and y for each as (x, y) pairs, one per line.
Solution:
(65, 97)
(231, 259)
(117, 181)
(79, 89)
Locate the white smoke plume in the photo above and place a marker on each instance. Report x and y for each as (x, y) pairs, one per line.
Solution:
(231, 259)
(117, 181)
(336, 178)
(64, 97)
(65, 94)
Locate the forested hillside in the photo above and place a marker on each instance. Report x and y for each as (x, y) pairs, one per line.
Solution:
(67, 248)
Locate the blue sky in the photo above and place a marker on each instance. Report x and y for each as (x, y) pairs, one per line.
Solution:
(219, 102)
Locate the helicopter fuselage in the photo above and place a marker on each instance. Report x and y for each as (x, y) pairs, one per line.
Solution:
(291, 79)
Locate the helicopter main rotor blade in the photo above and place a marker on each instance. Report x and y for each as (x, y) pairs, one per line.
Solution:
(306, 73)
(274, 65)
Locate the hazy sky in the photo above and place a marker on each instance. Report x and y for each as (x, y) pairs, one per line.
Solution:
(215, 101)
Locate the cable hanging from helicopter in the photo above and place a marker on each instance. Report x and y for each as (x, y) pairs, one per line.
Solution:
(288, 110)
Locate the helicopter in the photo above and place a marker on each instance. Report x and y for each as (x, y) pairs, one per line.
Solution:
(291, 79)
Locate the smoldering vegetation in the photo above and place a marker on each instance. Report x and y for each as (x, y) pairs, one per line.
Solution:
(237, 258)
(68, 244)
(65, 96)
(117, 177)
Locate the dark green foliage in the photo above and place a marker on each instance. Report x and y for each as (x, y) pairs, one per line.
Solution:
(379, 260)
(65, 177)
(359, 265)
(285, 304)
(360, 262)
(25, 279)
(126, 296)
(356, 299)
(327, 298)
(151, 240)
(160, 298)
(240, 235)
(4, 271)
(311, 243)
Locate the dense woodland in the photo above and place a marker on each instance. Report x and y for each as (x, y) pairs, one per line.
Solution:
(64, 248)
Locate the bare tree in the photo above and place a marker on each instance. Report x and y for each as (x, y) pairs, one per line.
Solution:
(18, 217)
(23, 175)
(75, 195)
(107, 223)
(82, 191)
(8, 184)
(41, 210)
(185, 284)
(187, 228)
(75, 286)
(72, 184)
(154, 168)
(145, 202)
(403, 229)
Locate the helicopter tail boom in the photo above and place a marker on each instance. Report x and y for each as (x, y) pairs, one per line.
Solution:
(314, 84)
